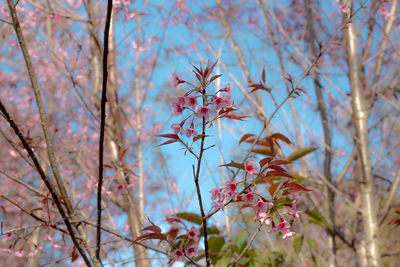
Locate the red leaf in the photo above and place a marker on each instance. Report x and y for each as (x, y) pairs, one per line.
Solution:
(173, 136)
(108, 166)
(265, 161)
(74, 255)
(263, 75)
(278, 174)
(197, 76)
(274, 167)
(152, 228)
(293, 188)
(281, 137)
(151, 236)
(121, 156)
(173, 220)
(215, 77)
(172, 233)
(273, 188)
(234, 165)
(280, 162)
(168, 142)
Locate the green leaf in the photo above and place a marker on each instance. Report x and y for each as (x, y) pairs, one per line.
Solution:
(312, 243)
(299, 178)
(298, 243)
(239, 240)
(282, 201)
(300, 153)
(318, 218)
(213, 230)
(224, 262)
(189, 216)
(215, 243)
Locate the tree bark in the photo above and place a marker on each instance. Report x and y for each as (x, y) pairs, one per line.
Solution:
(360, 121)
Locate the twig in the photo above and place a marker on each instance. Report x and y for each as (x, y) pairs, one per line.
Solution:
(253, 237)
(102, 124)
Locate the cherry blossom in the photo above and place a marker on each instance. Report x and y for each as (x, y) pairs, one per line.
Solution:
(249, 198)
(193, 234)
(177, 128)
(191, 251)
(287, 234)
(231, 191)
(204, 112)
(250, 167)
(177, 80)
(215, 194)
(190, 131)
(190, 101)
(218, 204)
(178, 255)
(296, 215)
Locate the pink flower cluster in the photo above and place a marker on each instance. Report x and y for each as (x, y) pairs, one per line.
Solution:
(189, 102)
(191, 250)
(262, 208)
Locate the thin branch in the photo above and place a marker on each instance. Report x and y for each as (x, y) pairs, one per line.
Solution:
(45, 179)
(102, 124)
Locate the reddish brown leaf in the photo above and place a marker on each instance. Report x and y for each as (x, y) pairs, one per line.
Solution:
(273, 188)
(280, 162)
(74, 255)
(293, 188)
(263, 151)
(215, 77)
(265, 161)
(276, 173)
(168, 142)
(197, 76)
(263, 75)
(151, 236)
(108, 166)
(275, 167)
(173, 136)
(152, 228)
(172, 233)
(121, 156)
(234, 165)
(173, 220)
(245, 137)
(281, 137)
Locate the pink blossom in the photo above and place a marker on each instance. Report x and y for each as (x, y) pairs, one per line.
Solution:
(20, 253)
(177, 128)
(216, 194)
(222, 102)
(228, 88)
(261, 209)
(296, 215)
(194, 234)
(288, 234)
(190, 131)
(177, 80)
(178, 105)
(56, 245)
(249, 198)
(250, 167)
(281, 227)
(231, 191)
(344, 9)
(178, 255)
(203, 112)
(191, 251)
(190, 101)
(385, 12)
(219, 204)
